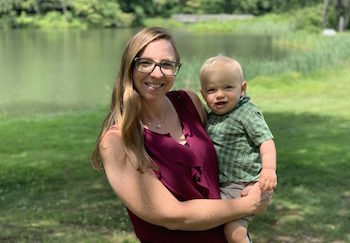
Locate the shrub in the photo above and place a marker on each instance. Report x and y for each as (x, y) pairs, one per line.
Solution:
(24, 20)
(309, 19)
(105, 13)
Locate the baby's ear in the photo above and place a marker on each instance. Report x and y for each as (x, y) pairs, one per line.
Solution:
(243, 88)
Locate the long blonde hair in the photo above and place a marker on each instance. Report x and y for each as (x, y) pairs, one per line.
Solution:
(125, 109)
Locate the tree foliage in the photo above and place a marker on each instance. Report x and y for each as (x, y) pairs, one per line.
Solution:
(125, 13)
(105, 13)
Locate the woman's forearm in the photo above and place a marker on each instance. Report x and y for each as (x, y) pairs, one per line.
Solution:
(203, 214)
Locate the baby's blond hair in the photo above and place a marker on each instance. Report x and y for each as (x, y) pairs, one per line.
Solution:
(220, 62)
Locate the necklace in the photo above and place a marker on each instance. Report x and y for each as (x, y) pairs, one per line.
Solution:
(158, 125)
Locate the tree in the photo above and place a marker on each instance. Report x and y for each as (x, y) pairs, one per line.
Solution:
(102, 13)
(324, 17)
(64, 8)
(342, 8)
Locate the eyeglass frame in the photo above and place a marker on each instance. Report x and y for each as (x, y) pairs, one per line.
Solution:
(177, 65)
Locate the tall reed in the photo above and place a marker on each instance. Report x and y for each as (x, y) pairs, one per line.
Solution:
(305, 53)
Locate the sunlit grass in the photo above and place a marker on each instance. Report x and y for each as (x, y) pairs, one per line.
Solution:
(267, 24)
(311, 93)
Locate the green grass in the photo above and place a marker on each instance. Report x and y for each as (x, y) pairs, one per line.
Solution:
(311, 123)
(49, 192)
(267, 24)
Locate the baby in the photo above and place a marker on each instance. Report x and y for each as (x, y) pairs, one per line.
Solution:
(242, 139)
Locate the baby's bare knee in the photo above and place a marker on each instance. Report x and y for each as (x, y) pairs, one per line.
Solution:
(236, 233)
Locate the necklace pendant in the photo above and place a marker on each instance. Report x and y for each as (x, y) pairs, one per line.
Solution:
(159, 126)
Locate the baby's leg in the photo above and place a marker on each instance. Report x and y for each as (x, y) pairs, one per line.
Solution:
(236, 233)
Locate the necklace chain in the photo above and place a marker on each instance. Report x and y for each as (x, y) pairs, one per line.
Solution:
(158, 125)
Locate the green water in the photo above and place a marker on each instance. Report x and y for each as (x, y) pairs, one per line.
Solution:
(52, 71)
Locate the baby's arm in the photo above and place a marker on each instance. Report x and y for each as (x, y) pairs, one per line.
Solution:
(268, 177)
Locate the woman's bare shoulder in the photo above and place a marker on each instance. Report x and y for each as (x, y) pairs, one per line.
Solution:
(111, 139)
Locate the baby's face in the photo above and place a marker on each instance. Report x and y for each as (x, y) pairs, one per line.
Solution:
(222, 91)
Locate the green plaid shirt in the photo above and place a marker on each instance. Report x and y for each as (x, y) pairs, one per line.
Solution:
(237, 136)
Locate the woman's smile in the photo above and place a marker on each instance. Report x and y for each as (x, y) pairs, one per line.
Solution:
(154, 85)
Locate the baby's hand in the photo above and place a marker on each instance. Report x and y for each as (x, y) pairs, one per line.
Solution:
(268, 179)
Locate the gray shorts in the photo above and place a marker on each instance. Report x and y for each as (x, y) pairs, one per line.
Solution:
(229, 190)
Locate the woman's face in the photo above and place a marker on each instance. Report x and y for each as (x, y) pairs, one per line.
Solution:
(154, 85)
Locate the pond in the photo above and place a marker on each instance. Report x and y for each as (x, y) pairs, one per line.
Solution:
(50, 71)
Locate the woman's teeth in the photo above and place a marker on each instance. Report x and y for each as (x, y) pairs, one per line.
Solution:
(154, 86)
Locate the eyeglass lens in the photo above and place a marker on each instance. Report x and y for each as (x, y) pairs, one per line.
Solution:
(166, 67)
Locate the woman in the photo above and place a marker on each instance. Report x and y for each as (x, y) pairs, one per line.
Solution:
(156, 154)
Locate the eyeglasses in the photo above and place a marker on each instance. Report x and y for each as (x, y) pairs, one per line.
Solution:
(168, 68)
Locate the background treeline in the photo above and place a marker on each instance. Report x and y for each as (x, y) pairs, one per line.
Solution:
(128, 13)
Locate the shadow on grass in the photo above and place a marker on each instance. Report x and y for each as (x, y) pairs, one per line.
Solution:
(49, 192)
(312, 198)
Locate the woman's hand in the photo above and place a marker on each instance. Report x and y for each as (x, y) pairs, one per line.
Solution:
(260, 199)
(246, 189)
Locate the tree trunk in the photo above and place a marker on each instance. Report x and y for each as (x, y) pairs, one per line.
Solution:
(37, 7)
(340, 6)
(64, 8)
(324, 17)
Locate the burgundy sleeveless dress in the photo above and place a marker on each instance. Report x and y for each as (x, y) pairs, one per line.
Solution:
(188, 171)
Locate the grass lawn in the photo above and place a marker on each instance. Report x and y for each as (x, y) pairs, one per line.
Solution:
(309, 115)
(49, 192)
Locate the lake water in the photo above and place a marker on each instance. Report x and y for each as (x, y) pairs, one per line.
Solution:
(49, 71)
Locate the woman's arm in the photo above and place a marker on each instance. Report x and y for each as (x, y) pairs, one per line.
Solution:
(150, 200)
